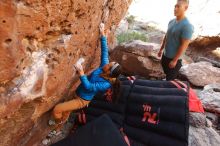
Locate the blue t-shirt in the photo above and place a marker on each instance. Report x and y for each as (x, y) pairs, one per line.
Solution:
(175, 33)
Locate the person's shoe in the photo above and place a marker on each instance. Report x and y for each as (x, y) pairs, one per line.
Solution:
(51, 122)
(54, 133)
(55, 126)
(46, 141)
(51, 137)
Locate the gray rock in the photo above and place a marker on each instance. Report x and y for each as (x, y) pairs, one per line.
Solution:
(139, 48)
(197, 120)
(208, 123)
(201, 132)
(210, 98)
(201, 73)
(212, 117)
(139, 58)
(203, 137)
(215, 87)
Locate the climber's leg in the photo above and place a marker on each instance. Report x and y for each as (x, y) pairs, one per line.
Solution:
(62, 110)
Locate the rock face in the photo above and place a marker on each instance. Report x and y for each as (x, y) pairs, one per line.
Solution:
(139, 58)
(201, 73)
(205, 46)
(201, 132)
(40, 41)
(210, 98)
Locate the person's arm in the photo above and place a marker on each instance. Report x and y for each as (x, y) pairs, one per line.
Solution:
(186, 38)
(184, 45)
(104, 51)
(162, 47)
(104, 46)
(97, 86)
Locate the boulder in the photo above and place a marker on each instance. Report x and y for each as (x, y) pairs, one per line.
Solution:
(210, 98)
(203, 137)
(201, 73)
(139, 58)
(201, 132)
(197, 120)
(205, 48)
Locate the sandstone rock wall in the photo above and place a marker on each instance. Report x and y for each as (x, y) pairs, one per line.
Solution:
(39, 43)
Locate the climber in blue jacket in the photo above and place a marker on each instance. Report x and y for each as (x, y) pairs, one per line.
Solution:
(99, 80)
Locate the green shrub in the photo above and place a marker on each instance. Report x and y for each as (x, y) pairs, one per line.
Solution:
(129, 36)
(130, 19)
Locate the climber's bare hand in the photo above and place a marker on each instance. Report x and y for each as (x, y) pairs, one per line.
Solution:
(102, 29)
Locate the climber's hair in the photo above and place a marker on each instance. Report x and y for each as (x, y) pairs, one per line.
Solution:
(185, 1)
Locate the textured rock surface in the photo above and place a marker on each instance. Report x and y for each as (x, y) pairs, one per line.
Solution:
(215, 120)
(40, 41)
(201, 73)
(201, 132)
(210, 98)
(205, 46)
(197, 120)
(203, 137)
(139, 58)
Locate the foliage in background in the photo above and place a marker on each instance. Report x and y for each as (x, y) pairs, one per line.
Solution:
(131, 20)
(129, 36)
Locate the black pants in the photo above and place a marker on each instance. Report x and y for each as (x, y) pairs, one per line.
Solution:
(171, 73)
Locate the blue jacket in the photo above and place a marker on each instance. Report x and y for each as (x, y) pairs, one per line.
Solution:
(94, 83)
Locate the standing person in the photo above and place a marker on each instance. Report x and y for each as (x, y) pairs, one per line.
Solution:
(176, 41)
